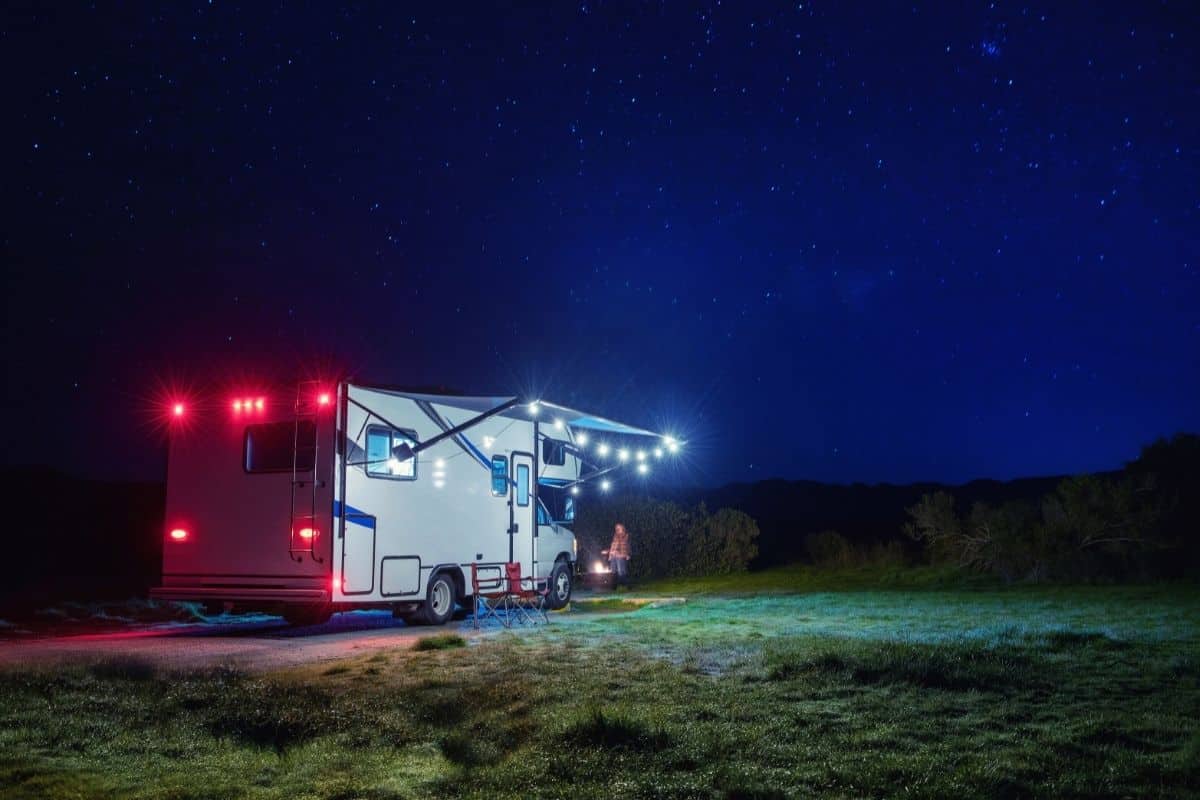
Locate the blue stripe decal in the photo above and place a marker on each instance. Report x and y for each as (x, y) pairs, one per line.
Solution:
(478, 454)
(353, 515)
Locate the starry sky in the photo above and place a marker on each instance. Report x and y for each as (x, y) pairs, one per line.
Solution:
(837, 241)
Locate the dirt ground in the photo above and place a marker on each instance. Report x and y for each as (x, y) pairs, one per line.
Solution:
(256, 644)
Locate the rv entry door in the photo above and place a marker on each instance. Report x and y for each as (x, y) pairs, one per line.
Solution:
(522, 525)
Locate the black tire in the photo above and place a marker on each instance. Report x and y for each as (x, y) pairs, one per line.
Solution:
(562, 584)
(311, 614)
(439, 600)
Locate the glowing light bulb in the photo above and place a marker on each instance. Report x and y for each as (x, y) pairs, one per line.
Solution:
(623, 454)
(641, 455)
(574, 490)
(558, 424)
(658, 452)
(602, 450)
(643, 469)
(177, 410)
(581, 440)
(605, 485)
(671, 443)
(534, 408)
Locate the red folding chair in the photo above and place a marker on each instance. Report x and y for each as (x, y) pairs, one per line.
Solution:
(489, 593)
(526, 595)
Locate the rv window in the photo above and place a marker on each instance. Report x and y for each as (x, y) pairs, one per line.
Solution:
(554, 452)
(499, 476)
(269, 446)
(522, 484)
(380, 463)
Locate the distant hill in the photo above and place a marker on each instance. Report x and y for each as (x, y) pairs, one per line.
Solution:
(80, 539)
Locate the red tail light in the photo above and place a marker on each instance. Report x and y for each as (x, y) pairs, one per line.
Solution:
(258, 404)
(323, 399)
(178, 534)
(308, 534)
(177, 409)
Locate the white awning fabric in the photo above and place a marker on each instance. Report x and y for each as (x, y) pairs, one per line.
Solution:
(546, 410)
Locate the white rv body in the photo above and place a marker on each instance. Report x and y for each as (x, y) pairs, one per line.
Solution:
(298, 501)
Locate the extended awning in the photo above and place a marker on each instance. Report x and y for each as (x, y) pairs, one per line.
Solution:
(527, 410)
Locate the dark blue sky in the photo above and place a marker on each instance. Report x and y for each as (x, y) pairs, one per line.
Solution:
(821, 241)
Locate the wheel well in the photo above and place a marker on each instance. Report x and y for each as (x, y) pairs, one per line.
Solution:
(456, 577)
(564, 557)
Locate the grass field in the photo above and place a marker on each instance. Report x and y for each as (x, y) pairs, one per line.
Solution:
(767, 686)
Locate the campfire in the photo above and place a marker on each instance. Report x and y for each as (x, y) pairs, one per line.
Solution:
(599, 577)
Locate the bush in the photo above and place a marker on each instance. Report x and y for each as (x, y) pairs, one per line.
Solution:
(721, 543)
(829, 549)
(1088, 527)
(668, 540)
(832, 550)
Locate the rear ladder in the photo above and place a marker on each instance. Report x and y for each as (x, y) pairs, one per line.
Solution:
(304, 532)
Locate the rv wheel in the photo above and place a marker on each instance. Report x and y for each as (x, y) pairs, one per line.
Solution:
(301, 615)
(560, 586)
(439, 600)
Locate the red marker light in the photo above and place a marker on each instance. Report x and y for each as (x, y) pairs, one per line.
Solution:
(258, 404)
(177, 409)
(178, 534)
(308, 534)
(237, 405)
(323, 399)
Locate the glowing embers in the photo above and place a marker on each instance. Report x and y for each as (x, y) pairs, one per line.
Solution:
(249, 405)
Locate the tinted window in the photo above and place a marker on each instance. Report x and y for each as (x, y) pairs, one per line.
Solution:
(499, 476)
(522, 484)
(380, 461)
(269, 446)
(554, 452)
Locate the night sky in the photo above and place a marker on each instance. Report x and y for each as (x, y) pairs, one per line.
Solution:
(917, 242)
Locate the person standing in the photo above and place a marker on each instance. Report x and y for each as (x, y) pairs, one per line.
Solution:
(618, 555)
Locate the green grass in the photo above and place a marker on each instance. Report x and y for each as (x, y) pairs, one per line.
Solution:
(441, 641)
(984, 692)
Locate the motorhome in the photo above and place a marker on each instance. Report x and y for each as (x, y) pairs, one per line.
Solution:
(329, 496)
